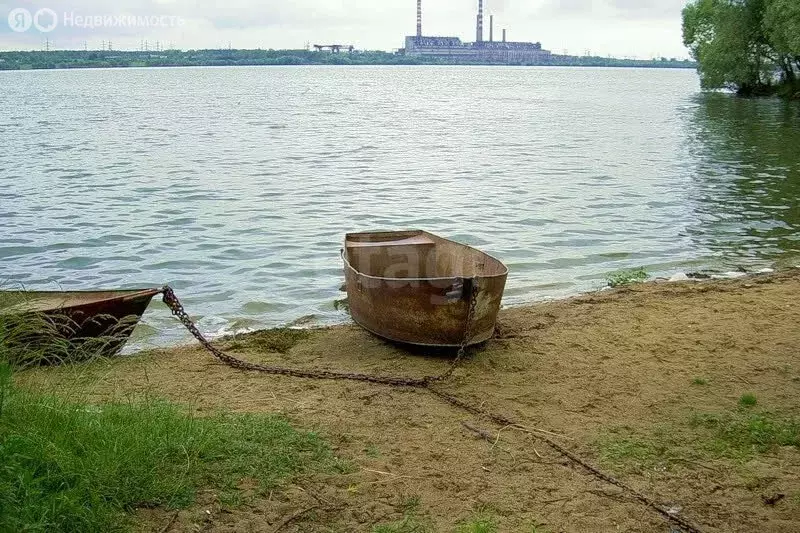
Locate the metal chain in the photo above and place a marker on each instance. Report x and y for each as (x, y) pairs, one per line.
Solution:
(420, 383)
(171, 300)
(507, 422)
(462, 350)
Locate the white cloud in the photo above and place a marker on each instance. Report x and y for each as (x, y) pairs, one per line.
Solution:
(617, 27)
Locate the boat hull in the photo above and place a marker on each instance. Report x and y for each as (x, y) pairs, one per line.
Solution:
(426, 290)
(75, 325)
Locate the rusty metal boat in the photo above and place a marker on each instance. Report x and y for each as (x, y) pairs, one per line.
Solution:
(76, 317)
(414, 287)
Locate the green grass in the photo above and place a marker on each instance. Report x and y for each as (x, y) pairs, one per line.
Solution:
(795, 500)
(627, 277)
(279, 340)
(34, 339)
(342, 305)
(410, 504)
(409, 524)
(743, 434)
(737, 435)
(748, 400)
(480, 523)
(76, 467)
(67, 465)
(699, 381)
(623, 448)
(372, 451)
(412, 522)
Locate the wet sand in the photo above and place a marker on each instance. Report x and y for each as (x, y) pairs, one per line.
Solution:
(602, 371)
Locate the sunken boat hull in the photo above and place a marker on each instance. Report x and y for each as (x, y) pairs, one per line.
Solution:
(72, 325)
(417, 288)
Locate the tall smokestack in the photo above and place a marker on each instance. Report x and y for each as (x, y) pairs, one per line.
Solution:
(479, 29)
(504, 35)
(491, 28)
(419, 19)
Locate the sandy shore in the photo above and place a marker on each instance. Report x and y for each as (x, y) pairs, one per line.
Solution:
(646, 383)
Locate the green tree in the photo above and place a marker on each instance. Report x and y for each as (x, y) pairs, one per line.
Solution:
(751, 46)
(782, 25)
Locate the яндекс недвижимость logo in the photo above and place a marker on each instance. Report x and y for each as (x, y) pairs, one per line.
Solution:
(21, 20)
(46, 20)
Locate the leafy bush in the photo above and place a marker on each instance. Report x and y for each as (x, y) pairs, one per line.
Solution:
(627, 277)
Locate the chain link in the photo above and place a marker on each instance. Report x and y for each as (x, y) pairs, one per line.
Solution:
(462, 350)
(172, 301)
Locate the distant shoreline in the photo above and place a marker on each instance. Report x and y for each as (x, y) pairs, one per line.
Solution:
(78, 59)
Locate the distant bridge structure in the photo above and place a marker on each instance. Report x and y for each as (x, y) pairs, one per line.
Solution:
(334, 48)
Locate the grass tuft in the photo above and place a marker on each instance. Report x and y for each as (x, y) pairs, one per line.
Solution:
(412, 522)
(409, 524)
(79, 467)
(482, 521)
(279, 340)
(35, 339)
(737, 436)
(342, 305)
(700, 381)
(622, 448)
(410, 504)
(372, 451)
(748, 400)
(478, 525)
(627, 277)
(741, 435)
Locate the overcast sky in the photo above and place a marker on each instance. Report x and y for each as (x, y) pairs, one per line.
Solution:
(636, 28)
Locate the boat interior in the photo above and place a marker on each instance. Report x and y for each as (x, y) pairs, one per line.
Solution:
(14, 302)
(417, 255)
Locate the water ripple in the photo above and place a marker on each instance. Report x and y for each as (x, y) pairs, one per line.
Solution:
(237, 185)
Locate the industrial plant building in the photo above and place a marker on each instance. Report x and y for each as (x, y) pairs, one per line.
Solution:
(481, 51)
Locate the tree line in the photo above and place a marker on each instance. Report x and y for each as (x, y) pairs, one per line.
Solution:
(750, 46)
(64, 59)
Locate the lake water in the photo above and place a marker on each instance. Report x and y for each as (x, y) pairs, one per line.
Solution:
(236, 185)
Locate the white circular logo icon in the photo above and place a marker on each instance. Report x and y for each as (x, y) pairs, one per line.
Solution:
(45, 20)
(20, 20)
